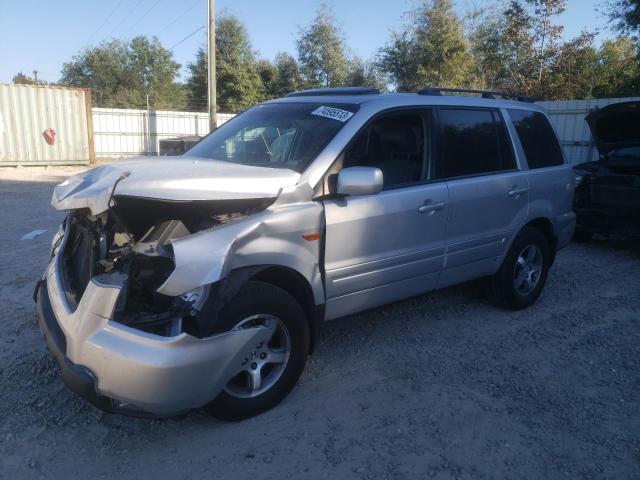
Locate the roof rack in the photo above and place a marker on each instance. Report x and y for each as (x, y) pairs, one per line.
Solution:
(335, 91)
(482, 93)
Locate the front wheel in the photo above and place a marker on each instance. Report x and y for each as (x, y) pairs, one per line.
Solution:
(523, 274)
(275, 366)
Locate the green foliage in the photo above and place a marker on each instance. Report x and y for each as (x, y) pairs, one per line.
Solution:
(238, 83)
(617, 71)
(522, 51)
(365, 74)
(197, 83)
(23, 79)
(289, 78)
(121, 74)
(238, 79)
(516, 46)
(321, 51)
(431, 51)
(625, 15)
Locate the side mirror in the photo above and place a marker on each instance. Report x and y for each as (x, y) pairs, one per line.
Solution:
(356, 181)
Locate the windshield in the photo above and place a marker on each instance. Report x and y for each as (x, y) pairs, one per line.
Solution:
(276, 135)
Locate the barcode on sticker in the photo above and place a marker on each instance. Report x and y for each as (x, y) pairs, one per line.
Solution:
(334, 113)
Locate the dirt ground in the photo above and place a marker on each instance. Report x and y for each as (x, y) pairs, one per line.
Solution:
(443, 386)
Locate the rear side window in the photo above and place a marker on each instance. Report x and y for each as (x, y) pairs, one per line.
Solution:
(538, 140)
(472, 142)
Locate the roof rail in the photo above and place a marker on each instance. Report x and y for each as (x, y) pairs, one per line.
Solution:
(335, 91)
(482, 93)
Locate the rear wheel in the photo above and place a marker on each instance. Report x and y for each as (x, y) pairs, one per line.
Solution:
(523, 274)
(275, 366)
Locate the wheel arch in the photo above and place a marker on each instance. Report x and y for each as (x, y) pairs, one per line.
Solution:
(544, 225)
(289, 280)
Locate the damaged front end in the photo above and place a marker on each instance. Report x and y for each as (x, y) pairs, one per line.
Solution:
(121, 304)
(134, 239)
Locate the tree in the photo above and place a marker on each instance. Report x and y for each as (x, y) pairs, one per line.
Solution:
(197, 83)
(572, 70)
(23, 79)
(491, 52)
(289, 78)
(617, 72)
(238, 82)
(321, 51)
(625, 15)
(365, 74)
(430, 51)
(268, 74)
(121, 74)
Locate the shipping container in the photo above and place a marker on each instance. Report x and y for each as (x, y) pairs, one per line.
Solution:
(44, 125)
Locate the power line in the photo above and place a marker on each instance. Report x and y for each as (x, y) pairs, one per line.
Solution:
(105, 21)
(187, 37)
(175, 20)
(128, 15)
(142, 17)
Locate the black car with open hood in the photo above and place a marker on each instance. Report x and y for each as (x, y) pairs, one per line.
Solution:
(607, 198)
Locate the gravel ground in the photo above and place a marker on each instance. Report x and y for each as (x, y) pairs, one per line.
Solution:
(441, 386)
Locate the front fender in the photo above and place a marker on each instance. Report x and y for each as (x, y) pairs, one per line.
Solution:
(274, 237)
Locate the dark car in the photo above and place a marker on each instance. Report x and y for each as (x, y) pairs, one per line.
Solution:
(607, 196)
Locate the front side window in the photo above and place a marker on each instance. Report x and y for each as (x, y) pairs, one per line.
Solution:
(395, 144)
(472, 142)
(539, 142)
(277, 135)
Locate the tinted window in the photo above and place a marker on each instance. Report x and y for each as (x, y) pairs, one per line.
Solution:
(538, 140)
(472, 142)
(277, 135)
(394, 144)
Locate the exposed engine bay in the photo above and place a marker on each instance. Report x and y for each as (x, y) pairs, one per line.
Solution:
(134, 238)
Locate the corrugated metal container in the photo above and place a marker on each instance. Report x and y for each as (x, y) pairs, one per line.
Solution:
(27, 111)
(567, 117)
(125, 132)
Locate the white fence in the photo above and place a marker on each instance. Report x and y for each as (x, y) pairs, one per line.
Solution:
(26, 112)
(567, 117)
(123, 132)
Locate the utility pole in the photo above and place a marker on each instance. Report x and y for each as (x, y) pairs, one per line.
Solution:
(35, 75)
(211, 74)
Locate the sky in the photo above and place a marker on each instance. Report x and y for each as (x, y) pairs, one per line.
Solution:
(41, 35)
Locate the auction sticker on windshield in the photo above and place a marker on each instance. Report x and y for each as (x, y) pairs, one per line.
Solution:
(334, 113)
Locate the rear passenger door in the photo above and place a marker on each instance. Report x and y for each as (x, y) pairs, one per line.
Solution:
(550, 179)
(488, 195)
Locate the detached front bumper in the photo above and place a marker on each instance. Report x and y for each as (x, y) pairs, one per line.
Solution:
(119, 368)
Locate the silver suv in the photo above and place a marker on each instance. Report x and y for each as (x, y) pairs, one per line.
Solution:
(202, 280)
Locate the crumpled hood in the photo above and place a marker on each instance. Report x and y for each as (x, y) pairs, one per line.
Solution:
(615, 126)
(170, 178)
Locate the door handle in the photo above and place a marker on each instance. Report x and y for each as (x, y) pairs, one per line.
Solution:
(517, 192)
(431, 208)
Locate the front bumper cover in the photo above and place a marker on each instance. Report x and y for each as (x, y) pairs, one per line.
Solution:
(119, 368)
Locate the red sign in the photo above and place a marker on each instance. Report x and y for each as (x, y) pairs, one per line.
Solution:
(49, 136)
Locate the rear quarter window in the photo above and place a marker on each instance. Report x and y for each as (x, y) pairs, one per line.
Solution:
(472, 142)
(538, 139)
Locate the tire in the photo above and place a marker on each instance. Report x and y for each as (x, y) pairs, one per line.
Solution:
(263, 300)
(581, 236)
(506, 288)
